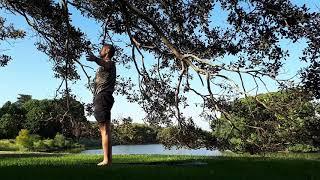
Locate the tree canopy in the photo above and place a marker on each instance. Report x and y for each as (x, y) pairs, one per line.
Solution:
(186, 45)
(257, 129)
(44, 117)
(8, 32)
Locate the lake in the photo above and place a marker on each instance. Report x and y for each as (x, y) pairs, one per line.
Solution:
(155, 149)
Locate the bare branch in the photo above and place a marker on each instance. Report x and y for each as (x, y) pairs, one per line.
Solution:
(85, 72)
(204, 61)
(135, 62)
(177, 93)
(105, 33)
(158, 68)
(136, 45)
(58, 89)
(242, 83)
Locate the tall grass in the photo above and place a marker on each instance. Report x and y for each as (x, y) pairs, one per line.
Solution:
(8, 145)
(31, 142)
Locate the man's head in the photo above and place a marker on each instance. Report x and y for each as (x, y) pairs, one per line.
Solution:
(107, 50)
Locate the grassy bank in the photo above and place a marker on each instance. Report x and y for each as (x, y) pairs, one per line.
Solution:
(75, 166)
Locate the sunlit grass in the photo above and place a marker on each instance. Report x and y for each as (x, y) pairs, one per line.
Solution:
(48, 159)
(79, 166)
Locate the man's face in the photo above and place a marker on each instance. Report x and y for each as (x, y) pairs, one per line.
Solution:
(104, 51)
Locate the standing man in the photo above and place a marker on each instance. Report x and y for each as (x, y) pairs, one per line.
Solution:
(103, 100)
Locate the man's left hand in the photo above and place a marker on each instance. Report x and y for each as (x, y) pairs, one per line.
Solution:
(91, 57)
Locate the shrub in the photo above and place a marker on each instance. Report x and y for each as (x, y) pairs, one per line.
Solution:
(49, 143)
(303, 148)
(24, 140)
(59, 140)
(92, 142)
(39, 145)
(237, 144)
(8, 145)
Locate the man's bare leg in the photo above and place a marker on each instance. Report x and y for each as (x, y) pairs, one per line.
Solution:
(105, 131)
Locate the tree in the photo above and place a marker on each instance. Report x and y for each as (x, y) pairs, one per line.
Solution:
(259, 129)
(127, 132)
(41, 118)
(185, 44)
(9, 126)
(48, 117)
(11, 120)
(196, 138)
(23, 98)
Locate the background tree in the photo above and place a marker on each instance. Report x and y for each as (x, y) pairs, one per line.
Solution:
(43, 117)
(126, 132)
(9, 127)
(196, 138)
(259, 129)
(313, 126)
(47, 117)
(12, 118)
(72, 117)
(23, 98)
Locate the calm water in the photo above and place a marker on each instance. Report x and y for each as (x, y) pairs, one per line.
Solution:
(154, 149)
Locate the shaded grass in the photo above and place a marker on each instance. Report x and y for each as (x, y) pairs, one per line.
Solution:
(77, 166)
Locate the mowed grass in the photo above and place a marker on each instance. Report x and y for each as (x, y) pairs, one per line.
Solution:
(76, 166)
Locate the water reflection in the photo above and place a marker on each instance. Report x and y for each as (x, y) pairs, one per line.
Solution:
(155, 149)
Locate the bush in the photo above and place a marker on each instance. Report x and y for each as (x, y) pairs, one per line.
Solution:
(68, 144)
(49, 143)
(24, 140)
(40, 145)
(94, 143)
(237, 144)
(8, 145)
(35, 137)
(304, 148)
(59, 140)
(58, 143)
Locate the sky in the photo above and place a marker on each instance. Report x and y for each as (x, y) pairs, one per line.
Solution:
(31, 73)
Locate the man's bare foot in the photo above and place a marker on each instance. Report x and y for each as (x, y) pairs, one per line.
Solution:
(104, 163)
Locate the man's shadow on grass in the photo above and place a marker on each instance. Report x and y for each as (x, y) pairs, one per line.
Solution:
(167, 163)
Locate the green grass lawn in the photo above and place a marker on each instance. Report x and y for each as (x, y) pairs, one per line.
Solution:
(75, 166)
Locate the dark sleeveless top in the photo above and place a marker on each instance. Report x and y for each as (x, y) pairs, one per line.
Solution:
(105, 79)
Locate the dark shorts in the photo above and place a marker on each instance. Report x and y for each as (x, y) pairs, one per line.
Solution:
(102, 104)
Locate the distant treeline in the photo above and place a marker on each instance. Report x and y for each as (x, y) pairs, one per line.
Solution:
(46, 118)
(278, 121)
(124, 132)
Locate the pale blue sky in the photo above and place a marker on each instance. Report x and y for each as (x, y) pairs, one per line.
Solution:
(30, 72)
